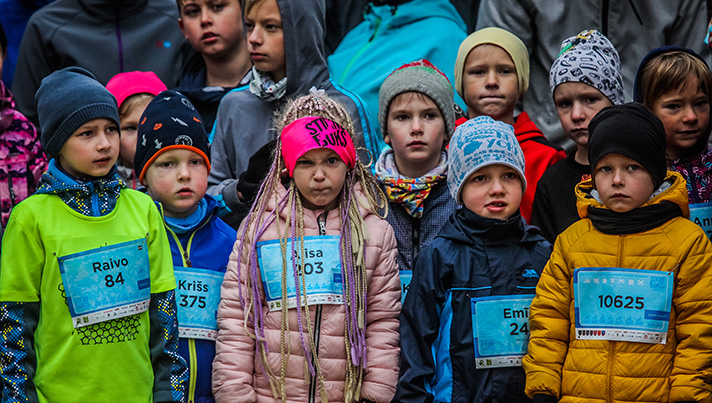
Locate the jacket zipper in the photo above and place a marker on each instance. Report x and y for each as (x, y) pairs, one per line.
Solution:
(415, 239)
(693, 185)
(321, 220)
(192, 353)
(363, 49)
(119, 42)
(612, 344)
(192, 370)
(10, 188)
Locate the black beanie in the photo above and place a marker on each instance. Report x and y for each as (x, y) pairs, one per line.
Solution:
(169, 121)
(632, 131)
(66, 100)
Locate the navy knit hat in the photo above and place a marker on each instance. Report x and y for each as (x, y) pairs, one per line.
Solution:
(633, 131)
(169, 122)
(66, 100)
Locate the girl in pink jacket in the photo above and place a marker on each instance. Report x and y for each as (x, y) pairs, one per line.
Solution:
(310, 301)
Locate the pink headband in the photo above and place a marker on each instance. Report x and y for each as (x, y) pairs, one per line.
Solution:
(311, 132)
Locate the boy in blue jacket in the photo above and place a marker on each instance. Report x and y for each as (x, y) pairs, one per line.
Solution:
(172, 162)
(464, 324)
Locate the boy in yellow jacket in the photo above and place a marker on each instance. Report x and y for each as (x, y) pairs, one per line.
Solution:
(623, 309)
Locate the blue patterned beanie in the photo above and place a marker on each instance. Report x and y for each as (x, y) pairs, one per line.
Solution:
(480, 142)
(589, 58)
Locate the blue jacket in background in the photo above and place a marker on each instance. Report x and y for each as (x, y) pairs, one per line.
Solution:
(391, 36)
(414, 234)
(212, 242)
(471, 257)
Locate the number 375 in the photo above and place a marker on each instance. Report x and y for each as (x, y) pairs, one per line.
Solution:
(190, 300)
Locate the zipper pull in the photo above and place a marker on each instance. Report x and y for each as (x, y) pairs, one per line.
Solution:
(321, 220)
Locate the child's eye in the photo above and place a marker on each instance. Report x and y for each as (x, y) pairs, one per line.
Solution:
(218, 6)
(476, 72)
(401, 117)
(671, 107)
(130, 129)
(701, 103)
(112, 129)
(196, 161)
(431, 115)
(633, 167)
(332, 160)
(591, 100)
(304, 162)
(605, 169)
(563, 104)
(479, 178)
(165, 164)
(510, 175)
(190, 11)
(506, 71)
(249, 26)
(273, 27)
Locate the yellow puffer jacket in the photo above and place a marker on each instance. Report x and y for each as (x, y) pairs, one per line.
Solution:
(614, 371)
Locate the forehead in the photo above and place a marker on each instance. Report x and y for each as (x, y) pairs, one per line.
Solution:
(414, 99)
(575, 88)
(488, 52)
(493, 169)
(616, 159)
(316, 154)
(262, 9)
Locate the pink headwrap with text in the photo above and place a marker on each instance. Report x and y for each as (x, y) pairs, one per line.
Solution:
(311, 132)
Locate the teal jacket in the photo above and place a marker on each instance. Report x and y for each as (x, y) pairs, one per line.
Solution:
(391, 36)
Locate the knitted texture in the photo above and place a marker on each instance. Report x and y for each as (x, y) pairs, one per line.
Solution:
(418, 76)
(478, 143)
(66, 100)
(589, 58)
(169, 122)
(124, 85)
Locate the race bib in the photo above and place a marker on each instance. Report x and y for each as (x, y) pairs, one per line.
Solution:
(701, 214)
(322, 271)
(622, 304)
(500, 326)
(106, 283)
(405, 277)
(198, 297)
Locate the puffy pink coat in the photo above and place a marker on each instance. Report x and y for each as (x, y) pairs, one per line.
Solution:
(237, 376)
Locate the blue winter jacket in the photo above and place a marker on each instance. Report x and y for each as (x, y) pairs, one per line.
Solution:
(471, 257)
(391, 36)
(210, 248)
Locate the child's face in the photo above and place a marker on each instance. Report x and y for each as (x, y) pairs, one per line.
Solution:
(319, 175)
(92, 150)
(622, 183)
(416, 131)
(177, 178)
(265, 39)
(685, 113)
(490, 84)
(213, 27)
(129, 131)
(577, 103)
(494, 191)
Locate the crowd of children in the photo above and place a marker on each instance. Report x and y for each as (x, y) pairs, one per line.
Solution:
(246, 237)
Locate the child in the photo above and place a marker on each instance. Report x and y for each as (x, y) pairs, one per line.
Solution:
(328, 328)
(457, 345)
(22, 161)
(491, 75)
(88, 305)
(676, 84)
(221, 61)
(622, 309)
(133, 91)
(176, 176)
(417, 119)
(585, 78)
(285, 40)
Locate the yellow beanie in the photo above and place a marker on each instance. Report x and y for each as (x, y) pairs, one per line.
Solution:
(498, 37)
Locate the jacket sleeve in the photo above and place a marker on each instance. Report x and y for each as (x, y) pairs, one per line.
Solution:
(34, 62)
(420, 324)
(223, 175)
(233, 366)
(690, 27)
(550, 326)
(18, 321)
(381, 373)
(691, 376)
(170, 372)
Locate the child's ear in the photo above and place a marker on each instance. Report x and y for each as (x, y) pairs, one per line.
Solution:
(387, 139)
(182, 29)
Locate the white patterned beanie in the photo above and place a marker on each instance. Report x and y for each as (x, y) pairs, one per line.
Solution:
(589, 58)
(480, 142)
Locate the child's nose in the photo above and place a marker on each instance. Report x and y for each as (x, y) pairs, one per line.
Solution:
(577, 113)
(416, 126)
(689, 115)
(255, 37)
(183, 171)
(491, 78)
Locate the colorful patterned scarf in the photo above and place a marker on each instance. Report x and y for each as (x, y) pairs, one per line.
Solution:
(409, 192)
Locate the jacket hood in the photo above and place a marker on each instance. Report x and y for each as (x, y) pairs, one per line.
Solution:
(303, 25)
(409, 12)
(108, 8)
(677, 193)
(525, 129)
(467, 227)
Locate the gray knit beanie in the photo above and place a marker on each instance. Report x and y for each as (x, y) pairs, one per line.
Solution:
(66, 100)
(480, 142)
(589, 58)
(418, 76)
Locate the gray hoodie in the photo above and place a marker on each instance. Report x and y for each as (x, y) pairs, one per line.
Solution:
(245, 123)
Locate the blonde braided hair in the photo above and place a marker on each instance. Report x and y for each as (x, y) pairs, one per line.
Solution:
(353, 237)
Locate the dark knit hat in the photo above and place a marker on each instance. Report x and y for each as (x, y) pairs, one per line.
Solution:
(66, 100)
(632, 131)
(169, 122)
(418, 76)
